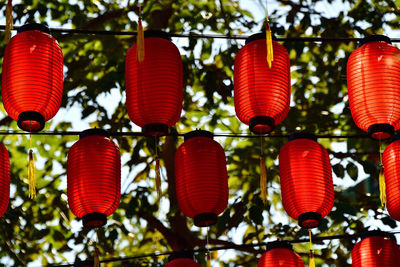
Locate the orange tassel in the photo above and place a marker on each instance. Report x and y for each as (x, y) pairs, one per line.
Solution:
(158, 178)
(9, 22)
(96, 261)
(312, 259)
(263, 180)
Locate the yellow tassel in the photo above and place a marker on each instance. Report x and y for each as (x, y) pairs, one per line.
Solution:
(158, 178)
(263, 180)
(140, 38)
(270, 51)
(9, 22)
(96, 261)
(312, 260)
(382, 187)
(31, 175)
(208, 260)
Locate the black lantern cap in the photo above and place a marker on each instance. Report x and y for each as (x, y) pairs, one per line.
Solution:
(381, 131)
(261, 124)
(86, 263)
(31, 121)
(378, 233)
(258, 36)
(155, 129)
(156, 33)
(310, 220)
(34, 26)
(94, 220)
(375, 38)
(279, 244)
(205, 219)
(198, 133)
(181, 254)
(95, 131)
(302, 135)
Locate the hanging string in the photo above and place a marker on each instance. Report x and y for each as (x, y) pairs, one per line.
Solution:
(31, 171)
(96, 260)
(140, 37)
(382, 184)
(312, 260)
(208, 252)
(263, 174)
(9, 22)
(158, 172)
(268, 37)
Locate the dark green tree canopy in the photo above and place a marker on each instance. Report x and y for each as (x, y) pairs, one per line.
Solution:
(43, 230)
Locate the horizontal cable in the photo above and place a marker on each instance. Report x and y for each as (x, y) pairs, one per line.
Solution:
(228, 135)
(236, 247)
(208, 35)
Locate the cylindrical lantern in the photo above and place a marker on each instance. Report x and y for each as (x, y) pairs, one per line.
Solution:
(32, 78)
(373, 81)
(376, 249)
(182, 259)
(306, 180)
(154, 87)
(261, 94)
(201, 178)
(280, 253)
(4, 179)
(93, 177)
(391, 164)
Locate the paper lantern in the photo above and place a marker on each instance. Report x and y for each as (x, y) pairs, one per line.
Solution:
(261, 94)
(201, 178)
(280, 253)
(373, 81)
(376, 249)
(93, 177)
(391, 163)
(182, 259)
(306, 180)
(4, 179)
(32, 78)
(154, 87)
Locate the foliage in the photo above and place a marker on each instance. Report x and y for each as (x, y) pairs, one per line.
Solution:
(44, 230)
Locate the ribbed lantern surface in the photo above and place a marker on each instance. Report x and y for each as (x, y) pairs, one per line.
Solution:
(376, 250)
(93, 177)
(306, 180)
(280, 254)
(373, 81)
(182, 262)
(154, 87)
(261, 94)
(32, 78)
(201, 178)
(391, 164)
(4, 179)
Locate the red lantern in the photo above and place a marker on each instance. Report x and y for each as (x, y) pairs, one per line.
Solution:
(391, 163)
(373, 81)
(201, 178)
(32, 79)
(154, 89)
(4, 179)
(306, 180)
(93, 177)
(182, 259)
(376, 249)
(261, 94)
(280, 253)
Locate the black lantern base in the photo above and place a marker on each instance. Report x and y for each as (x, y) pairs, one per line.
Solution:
(205, 219)
(381, 131)
(261, 124)
(31, 121)
(155, 129)
(94, 220)
(310, 220)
